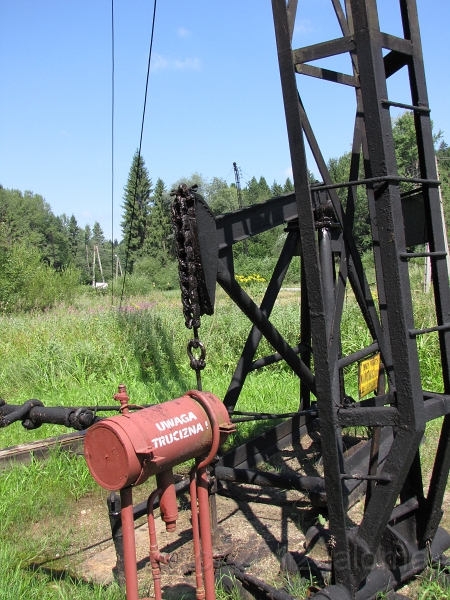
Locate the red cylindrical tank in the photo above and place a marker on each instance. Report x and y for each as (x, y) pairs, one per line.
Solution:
(127, 449)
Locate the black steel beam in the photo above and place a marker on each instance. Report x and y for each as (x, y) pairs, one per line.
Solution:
(258, 318)
(375, 416)
(243, 223)
(302, 483)
(327, 75)
(323, 50)
(245, 363)
(392, 42)
(393, 62)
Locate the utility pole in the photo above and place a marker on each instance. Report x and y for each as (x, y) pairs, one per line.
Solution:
(118, 266)
(239, 195)
(96, 284)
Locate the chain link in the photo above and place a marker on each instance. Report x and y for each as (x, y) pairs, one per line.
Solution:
(194, 296)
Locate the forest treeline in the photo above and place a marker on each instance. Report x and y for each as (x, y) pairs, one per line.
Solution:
(35, 244)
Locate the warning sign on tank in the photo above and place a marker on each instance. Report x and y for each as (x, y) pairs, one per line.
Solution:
(368, 375)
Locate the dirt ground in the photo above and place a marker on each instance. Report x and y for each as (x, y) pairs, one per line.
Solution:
(256, 527)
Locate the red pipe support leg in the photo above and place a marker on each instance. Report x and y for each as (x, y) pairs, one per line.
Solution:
(155, 556)
(167, 499)
(200, 590)
(205, 533)
(129, 543)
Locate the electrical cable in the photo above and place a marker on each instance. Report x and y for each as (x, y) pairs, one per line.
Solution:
(247, 177)
(229, 173)
(139, 155)
(112, 152)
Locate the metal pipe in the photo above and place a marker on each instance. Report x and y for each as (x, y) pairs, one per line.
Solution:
(375, 442)
(276, 357)
(129, 543)
(167, 499)
(328, 276)
(205, 533)
(269, 590)
(155, 556)
(203, 496)
(302, 483)
(381, 179)
(345, 361)
(200, 590)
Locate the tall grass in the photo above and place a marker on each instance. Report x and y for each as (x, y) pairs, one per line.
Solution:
(76, 354)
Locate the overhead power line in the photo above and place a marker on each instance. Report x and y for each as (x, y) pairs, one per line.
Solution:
(133, 212)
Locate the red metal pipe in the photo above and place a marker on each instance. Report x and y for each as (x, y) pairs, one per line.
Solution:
(200, 590)
(167, 499)
(155, 556)
(204, 399)
(129, 543)
(123, 398)
(127, 449)
(205, 533)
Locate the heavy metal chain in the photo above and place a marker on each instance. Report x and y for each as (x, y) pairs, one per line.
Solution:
(197, 363)
(194, 296)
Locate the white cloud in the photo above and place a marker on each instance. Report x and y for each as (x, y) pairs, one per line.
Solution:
(303, 26)
(183, 32)
(160, 62)
(288, 172)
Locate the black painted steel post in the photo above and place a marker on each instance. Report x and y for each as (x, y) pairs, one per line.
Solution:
(439, 266)
(115, 520)
(376, 439)
(323, 373)
(212, 490)
(327, 276)
(305, 336)
(398, 294)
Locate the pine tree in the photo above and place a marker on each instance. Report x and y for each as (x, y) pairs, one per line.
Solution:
(251, 192)
(136, 209)
(276, 189)
(288, 186)
(157, 244)
(74, 236)
(264, 189)
(98, 237)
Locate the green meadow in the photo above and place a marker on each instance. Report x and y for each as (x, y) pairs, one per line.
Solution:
(76, 353)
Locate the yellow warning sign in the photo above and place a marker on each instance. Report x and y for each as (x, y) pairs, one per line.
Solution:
(368, 375)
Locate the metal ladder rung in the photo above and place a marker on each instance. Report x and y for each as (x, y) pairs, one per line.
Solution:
(423, 109)
(440, 254)
(415, 332)
(381, 179)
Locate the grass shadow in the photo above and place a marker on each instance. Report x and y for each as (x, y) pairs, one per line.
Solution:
(152, 342)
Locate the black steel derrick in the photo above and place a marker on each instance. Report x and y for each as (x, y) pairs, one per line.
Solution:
(399, 530)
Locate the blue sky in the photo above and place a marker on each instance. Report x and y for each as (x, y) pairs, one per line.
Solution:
(214, 93)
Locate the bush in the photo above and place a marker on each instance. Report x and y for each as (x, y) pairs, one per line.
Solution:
(27, 282)
(159, 274)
